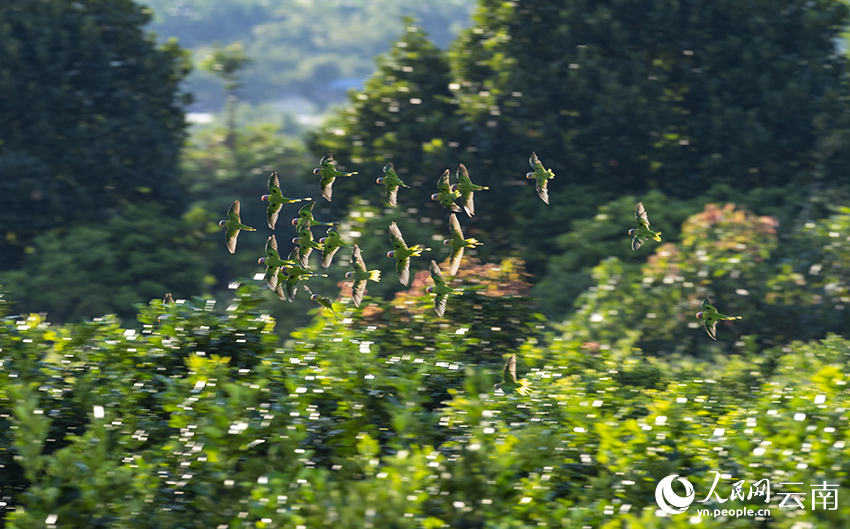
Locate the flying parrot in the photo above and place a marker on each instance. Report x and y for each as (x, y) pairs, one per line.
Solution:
(441, 289)
(326, 303)
(402, 254)
(306, 244)
(710, 317)
(276, 200)
(457, 243)
(509, 382)
(273, 262)
(305, 218)
(392, 183)
(642, 233)
(467, 190)
(445, 195)
(328, 174)
(330, 245)
(361, 275)
(289, 276)
(541, 176)
(233, 225)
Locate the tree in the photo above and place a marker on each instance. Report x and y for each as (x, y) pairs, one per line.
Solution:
(91, 117)
(227, 63)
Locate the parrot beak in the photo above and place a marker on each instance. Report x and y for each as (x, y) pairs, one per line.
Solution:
(632, 231)
(261, 260)
(379, 181)
(322, 240)
(391, 253)
(529, 175)
(317, 171)
(429, 290)
(294, 222)
(314, 297)
(264, 198)
(348, 275)
(699, 315)
(295, 240)
(434, 196)
(222, 223)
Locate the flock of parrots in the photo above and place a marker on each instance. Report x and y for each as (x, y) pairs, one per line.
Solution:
(283, 275)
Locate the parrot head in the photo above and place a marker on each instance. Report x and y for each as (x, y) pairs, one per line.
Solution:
(349, 275)
(391, 253)
(261, 260)
(632, 231)
(295, 240)
(429, 290)
(322, 240)
(317, 170)
(222, 223)
(294, 222)
(447, 242)
(434, 196)
(454, 188)
(264, 198)
(314, 297)
(529, 175)
(699, 315)
(380, 180)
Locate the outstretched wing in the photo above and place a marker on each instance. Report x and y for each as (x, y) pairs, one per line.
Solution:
(640, 215)
(711, 328)
(396, 238)
(327, 187)
(533, 161)
(543, 190)
(274, 183)
(233, 212)
(328, 255)
(454, 227)
(463, 175)
(637, 242)
(440, 301)
(392, 195)
(443, 185)
(437, 276)
(357, 259)
(509, 371)
(230, 237)
(402, 267)
(272, 213)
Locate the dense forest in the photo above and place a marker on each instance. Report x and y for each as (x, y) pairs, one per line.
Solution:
(230, 407)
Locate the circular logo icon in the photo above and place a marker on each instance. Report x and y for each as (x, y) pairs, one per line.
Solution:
(669, 501)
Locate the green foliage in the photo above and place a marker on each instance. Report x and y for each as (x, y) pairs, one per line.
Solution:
(91, 270)
(91, 118)
(200, 420)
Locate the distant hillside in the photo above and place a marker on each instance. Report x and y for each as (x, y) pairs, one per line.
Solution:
(311, 50)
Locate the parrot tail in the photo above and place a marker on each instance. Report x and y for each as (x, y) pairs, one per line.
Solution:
(375, 275)
(657, 236)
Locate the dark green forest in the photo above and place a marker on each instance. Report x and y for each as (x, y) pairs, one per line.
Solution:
(229, 407)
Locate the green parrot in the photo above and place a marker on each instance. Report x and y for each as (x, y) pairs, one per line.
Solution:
(361, 275)
(276, 200)
(392, 183)
(233, 225)
(305, 218)
(458, 243)
(642, 233)
(441, 289)
(402, 254)
(272, 261)
(328, 173)
(326, 303)
(710, 317)
(467, 190)
(509, 382)
(330, 245)
(541, 176)
(288, 277)
(306, 244)
(445, 195)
